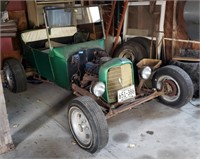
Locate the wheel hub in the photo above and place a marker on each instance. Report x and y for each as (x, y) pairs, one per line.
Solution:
(127, 54)
(81, 126)
(170, 88)
(8, 77)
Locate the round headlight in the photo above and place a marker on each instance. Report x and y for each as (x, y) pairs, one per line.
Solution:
(146, 72)
(98, 89)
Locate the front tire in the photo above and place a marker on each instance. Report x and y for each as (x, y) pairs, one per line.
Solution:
(88, 124)
(177, 85)
(14, 75)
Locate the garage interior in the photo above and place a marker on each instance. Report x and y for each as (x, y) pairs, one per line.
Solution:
(34, 123)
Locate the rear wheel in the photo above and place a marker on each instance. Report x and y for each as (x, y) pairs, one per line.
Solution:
(14, 75)
(176, 83)
(88, 124)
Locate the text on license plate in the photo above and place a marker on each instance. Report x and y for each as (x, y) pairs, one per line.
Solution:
(126, 93)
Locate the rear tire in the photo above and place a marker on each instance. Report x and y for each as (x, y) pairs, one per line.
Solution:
(88, 124)
(176, 83)
(14, 75)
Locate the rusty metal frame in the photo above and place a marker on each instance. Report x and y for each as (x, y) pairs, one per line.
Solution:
(129, 106)
(114, 109)
(78, 91)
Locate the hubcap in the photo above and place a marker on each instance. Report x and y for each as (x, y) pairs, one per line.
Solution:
(171, 88)
(81, 126)
(127, 54)
(8, 76)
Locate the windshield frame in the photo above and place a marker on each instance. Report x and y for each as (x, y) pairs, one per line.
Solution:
(48, 28)
(71, 16)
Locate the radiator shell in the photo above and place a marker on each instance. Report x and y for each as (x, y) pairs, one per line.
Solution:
(118, 73)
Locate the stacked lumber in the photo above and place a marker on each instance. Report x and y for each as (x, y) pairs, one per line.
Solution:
(8, 29)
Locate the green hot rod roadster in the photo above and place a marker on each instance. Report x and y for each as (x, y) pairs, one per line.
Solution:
(69, 53)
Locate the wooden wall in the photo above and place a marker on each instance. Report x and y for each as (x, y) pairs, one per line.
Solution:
(6, 143)
(180, 32)
(10, 46)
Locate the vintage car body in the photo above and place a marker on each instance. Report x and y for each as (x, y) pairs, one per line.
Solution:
(52, 65)
(56, 65)
(105, 86)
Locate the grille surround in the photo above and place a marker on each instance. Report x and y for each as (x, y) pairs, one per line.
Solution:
(118, 77)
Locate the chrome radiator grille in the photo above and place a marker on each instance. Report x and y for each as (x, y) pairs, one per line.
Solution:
(118, 78)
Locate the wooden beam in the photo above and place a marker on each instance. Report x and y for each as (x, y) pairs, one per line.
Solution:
(6, 143)
(186, 59)
(174, 31)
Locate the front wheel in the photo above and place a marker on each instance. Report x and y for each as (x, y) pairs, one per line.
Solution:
(177, 85)
(88, 124)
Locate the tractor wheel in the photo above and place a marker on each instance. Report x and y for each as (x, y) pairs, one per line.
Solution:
(132, 51)
(146, 43)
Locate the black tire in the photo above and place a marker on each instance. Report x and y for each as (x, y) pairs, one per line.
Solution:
(177, 84)
(132, 51)
(95, 137)
(146, 43)
(14, 75)
(193, 70)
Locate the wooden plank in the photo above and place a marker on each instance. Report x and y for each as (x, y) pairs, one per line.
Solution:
(186, 59)
(140, 32)
(182, 40)
(6, 143)
(174, 30)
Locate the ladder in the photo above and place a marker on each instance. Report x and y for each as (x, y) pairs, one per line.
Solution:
(119, 28)
(110, 18)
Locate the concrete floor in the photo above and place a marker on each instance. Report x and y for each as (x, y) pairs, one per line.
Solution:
(151, 131)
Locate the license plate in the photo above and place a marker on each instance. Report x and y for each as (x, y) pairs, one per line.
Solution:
(126, 93)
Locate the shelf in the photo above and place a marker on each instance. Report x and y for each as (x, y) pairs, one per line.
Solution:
(35, 9)
(43, 2)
